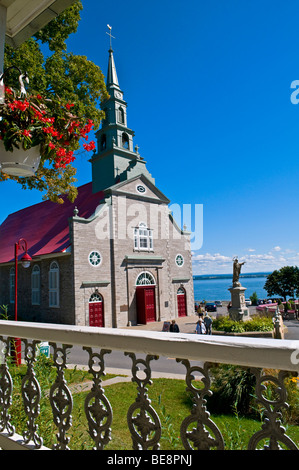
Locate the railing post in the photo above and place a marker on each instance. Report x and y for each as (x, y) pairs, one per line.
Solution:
(145, 426)
(199, 437)
(98, 410)
(272, 430)
(61, 399)
(6, 387)
(31, 394)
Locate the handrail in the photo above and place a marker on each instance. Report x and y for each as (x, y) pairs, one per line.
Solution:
(253, 352)
(145, 428)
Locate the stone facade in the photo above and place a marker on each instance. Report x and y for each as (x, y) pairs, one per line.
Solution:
(111, 233)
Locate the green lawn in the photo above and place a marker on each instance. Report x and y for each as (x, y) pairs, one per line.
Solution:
(168, 397)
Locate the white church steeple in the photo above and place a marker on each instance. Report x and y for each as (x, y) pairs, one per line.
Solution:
(116, 159)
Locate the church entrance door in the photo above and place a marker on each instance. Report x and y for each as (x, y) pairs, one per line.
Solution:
(146, 304)
(182, 308)
(96, 311)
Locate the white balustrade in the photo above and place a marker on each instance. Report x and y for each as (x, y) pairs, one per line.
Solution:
(205, 350)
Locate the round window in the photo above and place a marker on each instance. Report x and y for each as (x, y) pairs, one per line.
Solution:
(95, 258)
(179, 260)
(141, 189)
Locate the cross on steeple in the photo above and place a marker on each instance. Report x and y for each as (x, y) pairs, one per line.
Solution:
(109, 34)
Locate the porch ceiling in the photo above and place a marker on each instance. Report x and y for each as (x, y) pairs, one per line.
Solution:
(25, 18)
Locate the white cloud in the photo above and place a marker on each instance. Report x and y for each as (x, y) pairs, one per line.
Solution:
(217, 263)
(215, 257)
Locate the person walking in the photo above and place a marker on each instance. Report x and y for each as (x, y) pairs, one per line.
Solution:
(200, 328)
(208, 324)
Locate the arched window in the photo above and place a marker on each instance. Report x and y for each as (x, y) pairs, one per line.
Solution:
(143, 238)
(35, 285)
(125, 140)
(54, 285)
(12, 285)
(96, 297)
(121, 116)
(145, 279)
(181, 291)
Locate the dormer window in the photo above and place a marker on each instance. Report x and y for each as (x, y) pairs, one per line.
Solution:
(143, 238)
(125, 141)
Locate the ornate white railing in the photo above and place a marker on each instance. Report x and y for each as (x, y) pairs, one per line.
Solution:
(145, 427)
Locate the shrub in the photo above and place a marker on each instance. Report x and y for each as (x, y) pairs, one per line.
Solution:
(233, 390)
(231, 326)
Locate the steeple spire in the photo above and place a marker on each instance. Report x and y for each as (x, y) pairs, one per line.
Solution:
(111, 75)
(115, 159)
(112, 79)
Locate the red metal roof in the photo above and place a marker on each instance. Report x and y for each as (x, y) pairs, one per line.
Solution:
(45, 225)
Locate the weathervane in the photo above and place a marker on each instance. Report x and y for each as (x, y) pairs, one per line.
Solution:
(109, 34)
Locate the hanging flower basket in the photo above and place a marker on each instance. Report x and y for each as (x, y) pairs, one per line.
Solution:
(37, 132)
(19, 162)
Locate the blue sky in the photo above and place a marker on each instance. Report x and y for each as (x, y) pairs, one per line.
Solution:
(208, 86)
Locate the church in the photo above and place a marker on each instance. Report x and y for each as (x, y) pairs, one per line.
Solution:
(115, 257)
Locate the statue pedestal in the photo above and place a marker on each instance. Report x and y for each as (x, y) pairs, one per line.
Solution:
(238, 310)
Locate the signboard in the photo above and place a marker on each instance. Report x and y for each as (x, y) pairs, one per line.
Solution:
(44, 349)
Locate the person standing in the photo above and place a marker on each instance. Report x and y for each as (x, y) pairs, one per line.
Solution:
(208, 324)
(200, 328)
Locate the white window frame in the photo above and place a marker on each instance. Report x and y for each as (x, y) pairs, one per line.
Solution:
(54, 284)
(12, 280)
(145, 278)
(91, 257)
(95, 297)
(143, 238)
(35, 285)
(181, 257)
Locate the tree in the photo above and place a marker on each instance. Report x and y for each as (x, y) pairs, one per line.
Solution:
(254, 298)
(283, 282)
(73, 78)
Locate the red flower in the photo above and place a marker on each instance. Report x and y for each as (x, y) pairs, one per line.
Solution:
(26, 133)
(21, 105)
(61, 152)
(90, 146)
(69, 106)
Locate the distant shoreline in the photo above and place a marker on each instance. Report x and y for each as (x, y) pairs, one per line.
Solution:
(202, 277)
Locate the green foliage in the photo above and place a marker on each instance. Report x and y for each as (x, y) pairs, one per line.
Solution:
(283, 282)
(73, 78)
(231, 326)
(233, 389)
(59, 29)
(254, 298)
(3, 312)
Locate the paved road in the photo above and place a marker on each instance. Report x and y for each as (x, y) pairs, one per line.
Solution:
(118, 361)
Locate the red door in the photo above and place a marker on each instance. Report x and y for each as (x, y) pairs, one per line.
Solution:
(182, 310)
(146, 304)
(96, 314)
